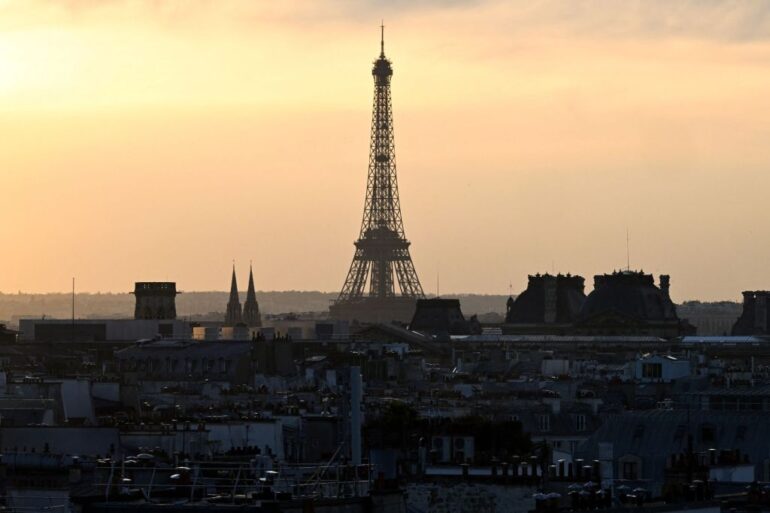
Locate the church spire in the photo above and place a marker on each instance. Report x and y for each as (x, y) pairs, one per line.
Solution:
(251, 314)
(233, 315)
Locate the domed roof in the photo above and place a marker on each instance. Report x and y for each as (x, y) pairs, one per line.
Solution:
(533, 306)
(632, 294)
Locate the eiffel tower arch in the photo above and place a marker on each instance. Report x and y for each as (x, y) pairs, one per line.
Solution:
(382, 284)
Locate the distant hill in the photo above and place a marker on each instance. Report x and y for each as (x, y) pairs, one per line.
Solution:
(196, 304)
(714, 318)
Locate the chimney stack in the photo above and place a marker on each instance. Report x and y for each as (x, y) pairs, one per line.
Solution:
(760, 312)
(665, 283)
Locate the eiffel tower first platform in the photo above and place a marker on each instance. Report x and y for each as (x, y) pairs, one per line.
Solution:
(382, 284)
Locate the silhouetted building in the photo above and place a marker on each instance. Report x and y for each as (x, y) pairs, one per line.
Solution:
(233, 315)
(189, 360)
(756, 310)
(155, 300)
(7, 336)
(629, 303)
(251, 316)
(101, 330)
(442, 317)
(549, 305)
(382, 256)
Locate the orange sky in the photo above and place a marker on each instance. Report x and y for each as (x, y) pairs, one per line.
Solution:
(152, 139)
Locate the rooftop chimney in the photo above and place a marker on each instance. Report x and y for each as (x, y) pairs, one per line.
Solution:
(760, 311)
(665, 283)
(748, 301)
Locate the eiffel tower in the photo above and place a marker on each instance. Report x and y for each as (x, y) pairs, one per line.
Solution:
(381, 260)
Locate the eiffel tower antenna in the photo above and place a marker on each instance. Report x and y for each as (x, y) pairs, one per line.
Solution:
(382, 283)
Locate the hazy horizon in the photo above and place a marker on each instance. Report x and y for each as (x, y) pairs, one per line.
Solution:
(242, 293)
(158, 141)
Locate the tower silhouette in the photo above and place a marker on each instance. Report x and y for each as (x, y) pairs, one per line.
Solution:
(233, 314)
(251, 315)
(382, 284)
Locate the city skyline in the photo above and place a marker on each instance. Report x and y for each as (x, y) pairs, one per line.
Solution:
(157, 141)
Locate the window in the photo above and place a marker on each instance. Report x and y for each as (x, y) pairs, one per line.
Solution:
(580, 422)
(707, 433)
(544, 422)
(629, 470)
(652, 370)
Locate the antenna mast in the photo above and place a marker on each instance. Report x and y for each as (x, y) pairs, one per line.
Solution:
(628, 252)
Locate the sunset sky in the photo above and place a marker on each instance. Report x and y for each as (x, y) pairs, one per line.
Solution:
(161, 139)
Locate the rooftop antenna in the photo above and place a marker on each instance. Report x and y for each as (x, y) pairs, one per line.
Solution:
(438, 282)
(73, 308)
(628, 252)
(382, 38)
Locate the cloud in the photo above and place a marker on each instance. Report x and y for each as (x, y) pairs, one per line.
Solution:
(729, 20)
(709, 19)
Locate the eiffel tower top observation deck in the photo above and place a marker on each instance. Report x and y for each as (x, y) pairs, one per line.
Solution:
(382, 284)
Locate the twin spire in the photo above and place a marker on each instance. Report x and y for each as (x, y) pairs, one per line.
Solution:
(250, 315)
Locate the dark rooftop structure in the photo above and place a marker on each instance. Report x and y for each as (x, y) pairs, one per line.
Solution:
(630, 293)
(7, 335)
(630, 302)
(441, 317)
(547, 302)
(756, 310)
(155, 300)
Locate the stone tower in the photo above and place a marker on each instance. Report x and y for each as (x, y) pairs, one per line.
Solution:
(155, 300)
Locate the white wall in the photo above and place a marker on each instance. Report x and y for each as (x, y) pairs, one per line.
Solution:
(76, 399)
